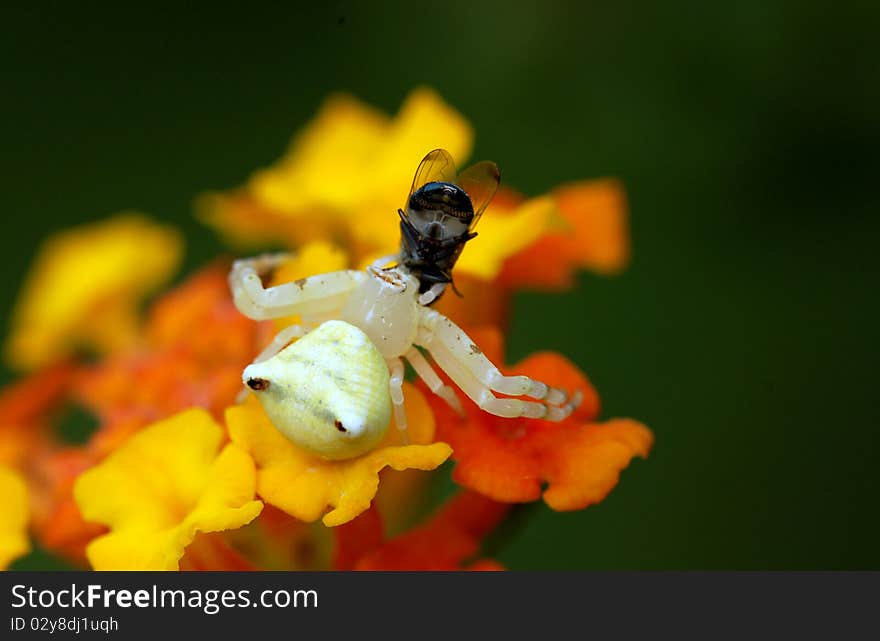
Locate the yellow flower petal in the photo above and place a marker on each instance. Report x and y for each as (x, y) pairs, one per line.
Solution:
(328, 162)
(424, 123)
(85, 286)
(160, 488)
(13, 516)
(318, 257)
(502, 234)
(304, 486)
(344, 177)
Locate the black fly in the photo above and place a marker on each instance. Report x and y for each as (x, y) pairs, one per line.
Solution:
(441, 212)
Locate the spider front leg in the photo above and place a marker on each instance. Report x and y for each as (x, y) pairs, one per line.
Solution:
(312, 296)
(477, 377)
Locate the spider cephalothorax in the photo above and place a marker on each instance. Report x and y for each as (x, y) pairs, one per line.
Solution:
(327, 393)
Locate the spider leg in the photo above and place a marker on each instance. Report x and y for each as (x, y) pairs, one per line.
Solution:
(314, 295)
(426, 373)
(281, 340)
(396, 388)
(477, 377)
(482, 395)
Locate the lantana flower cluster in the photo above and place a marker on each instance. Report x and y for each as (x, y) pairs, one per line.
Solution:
(181, 471)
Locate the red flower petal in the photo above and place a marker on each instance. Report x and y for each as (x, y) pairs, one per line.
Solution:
(448, 541)
(356, 539)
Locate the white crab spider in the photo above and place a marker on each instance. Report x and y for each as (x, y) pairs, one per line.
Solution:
(384, 306)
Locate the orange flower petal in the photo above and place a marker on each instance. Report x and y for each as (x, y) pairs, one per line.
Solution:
(199, 316)
(24, 410)
(597, 239)
(480, 303)
(57, 522)
(597, 213)
(511, 460)
(198, 345)
(31, 397)
(589, 467)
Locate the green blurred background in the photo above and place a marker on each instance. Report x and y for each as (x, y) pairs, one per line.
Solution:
(745, 332)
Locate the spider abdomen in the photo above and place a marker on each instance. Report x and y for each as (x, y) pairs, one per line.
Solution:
(327, 392)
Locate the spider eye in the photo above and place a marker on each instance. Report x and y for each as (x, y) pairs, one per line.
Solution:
(258, 384)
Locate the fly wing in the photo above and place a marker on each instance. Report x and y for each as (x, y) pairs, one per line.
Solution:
(437, 166)
(480, 182)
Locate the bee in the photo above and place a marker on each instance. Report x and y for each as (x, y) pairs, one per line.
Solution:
(440, 214)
